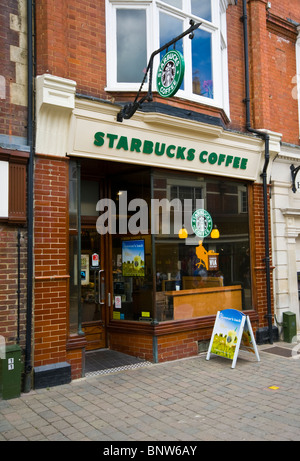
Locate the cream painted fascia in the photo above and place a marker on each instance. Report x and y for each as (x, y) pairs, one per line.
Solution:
(66, 125)
(90, 117)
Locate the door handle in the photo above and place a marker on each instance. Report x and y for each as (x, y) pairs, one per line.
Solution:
(100, 285)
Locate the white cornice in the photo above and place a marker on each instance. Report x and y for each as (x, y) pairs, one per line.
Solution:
(55, 101)
(290, 212)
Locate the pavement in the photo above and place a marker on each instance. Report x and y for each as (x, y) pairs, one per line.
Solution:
(181, 402)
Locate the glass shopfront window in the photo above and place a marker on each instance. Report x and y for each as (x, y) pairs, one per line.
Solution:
(197, 277)
(158, 276)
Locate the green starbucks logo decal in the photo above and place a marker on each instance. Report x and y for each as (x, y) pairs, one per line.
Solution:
(201, 223)
(170, 73)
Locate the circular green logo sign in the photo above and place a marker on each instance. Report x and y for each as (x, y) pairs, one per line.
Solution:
(170, 73)
(201, 223)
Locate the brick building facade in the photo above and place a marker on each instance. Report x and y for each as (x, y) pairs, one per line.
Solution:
(14, 154)
(227, 137)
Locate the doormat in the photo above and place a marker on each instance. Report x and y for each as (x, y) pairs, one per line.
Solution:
(282, 351)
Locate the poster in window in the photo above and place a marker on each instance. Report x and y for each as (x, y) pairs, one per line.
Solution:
(133, 258)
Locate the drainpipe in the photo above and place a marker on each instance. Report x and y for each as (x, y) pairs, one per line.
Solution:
(30, 142)
(266, 138)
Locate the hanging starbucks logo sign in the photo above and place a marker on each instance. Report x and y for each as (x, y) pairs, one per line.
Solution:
(201, 223)
(170, 73)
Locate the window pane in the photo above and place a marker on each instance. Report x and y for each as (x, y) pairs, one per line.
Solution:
(89, 198)
(73, 196)
(131, 252)
(131, 45)
(187, 269)
(74, 287)
(202, 8)
(169, 28)
(202, 64)
(177, 3)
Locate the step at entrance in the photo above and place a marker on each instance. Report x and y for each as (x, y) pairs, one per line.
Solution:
(106, 361)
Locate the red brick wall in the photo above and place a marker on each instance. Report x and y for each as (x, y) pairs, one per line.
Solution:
(51, 260)
(177, 346)
(74, 357)
(13, 130)
(72, 43)
(272, 68)
(138, 345)
(235, 67)
(13, 117)
(9, 283)
(76, 31)
(258, 264)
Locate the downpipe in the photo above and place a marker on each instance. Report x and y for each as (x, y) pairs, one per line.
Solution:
(266, 139)
(30, 171)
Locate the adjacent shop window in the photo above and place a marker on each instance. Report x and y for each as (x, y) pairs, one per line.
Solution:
(13, 190)
(136, 29)
(158, 276)
(3, 189)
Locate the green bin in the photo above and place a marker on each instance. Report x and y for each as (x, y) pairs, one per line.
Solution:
(289, 326)
(10, 373)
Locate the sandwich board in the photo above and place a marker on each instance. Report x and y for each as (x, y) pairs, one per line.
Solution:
(232, 331)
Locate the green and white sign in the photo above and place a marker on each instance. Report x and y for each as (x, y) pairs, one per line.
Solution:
(201, 223)
(170, 73)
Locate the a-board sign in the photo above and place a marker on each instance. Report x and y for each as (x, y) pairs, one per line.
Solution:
(232, 331)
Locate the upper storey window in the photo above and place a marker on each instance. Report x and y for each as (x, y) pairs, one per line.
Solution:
(135, 29)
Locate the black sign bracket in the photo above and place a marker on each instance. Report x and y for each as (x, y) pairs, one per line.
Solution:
(294, 171)
(129, 109)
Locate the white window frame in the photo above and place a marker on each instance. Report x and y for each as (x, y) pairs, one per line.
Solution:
(4, 178)
(217, 28)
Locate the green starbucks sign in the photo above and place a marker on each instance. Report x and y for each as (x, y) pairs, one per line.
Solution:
(170, 73)
(201, 223)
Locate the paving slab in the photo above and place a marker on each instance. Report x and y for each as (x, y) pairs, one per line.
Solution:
(188, 400)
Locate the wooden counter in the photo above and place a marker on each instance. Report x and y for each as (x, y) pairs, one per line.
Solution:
(204, 301)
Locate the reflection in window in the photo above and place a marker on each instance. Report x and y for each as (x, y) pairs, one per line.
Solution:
(171, 278)
(137, 30)
(202, 9)
(169, 28)
(131, 45)
(177, 3)
(202, 64)
(132, 296)
(189, 269)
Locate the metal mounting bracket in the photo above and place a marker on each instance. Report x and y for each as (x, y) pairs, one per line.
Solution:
(129, 109)
(294, 171)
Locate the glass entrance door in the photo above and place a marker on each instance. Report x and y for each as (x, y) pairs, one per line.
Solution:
(93, 288)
